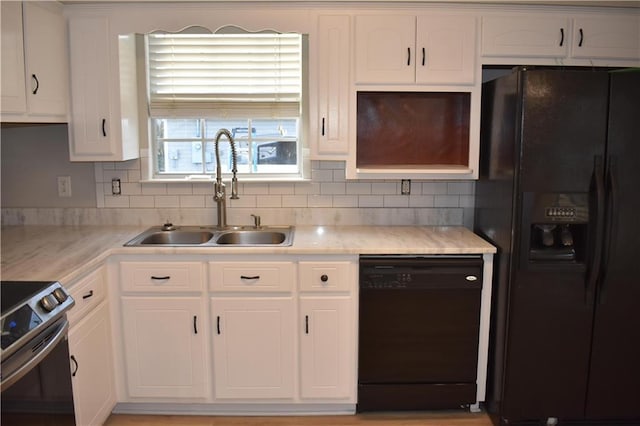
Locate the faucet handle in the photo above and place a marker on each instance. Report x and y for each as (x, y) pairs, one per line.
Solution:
(256, 220)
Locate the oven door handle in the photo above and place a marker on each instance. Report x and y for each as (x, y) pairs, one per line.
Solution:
(21, 371)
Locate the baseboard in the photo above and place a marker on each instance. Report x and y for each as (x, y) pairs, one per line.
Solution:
(234, 409)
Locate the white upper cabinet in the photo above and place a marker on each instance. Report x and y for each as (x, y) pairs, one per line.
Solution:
(429, 49)
(103, 92)
(551, 38)
(531, 36)
(13, 72)
(333, 83)
(615, 37)
(446, 49)
(35, 72)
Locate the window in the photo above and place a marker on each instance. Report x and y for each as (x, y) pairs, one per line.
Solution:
(248, 83)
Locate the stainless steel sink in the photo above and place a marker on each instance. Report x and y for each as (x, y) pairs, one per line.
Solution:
(177, 237)
(252, 238)
(199, 236)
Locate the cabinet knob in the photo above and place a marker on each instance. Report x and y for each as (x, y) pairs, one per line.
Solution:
(324, 278)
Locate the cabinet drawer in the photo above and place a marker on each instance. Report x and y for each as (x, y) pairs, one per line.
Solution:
(87, 293)
(161, 276)
(253, 276)
(325, 276)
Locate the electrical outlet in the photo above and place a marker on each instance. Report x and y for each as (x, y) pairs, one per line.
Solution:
(405, 187)
(64, 186)
(116, 189)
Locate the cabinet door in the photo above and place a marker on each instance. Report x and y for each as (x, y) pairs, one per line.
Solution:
(92, 367)
(45, 40)
(13, 81)
(164, 344)
(445, 49)
(614, 37)
(333, 84)
(253, 349)
(327, 348)
(385, 49)
(534, 36)
(91, 130)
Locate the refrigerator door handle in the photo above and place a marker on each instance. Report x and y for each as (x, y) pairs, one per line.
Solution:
(610, 226)
(595, 254)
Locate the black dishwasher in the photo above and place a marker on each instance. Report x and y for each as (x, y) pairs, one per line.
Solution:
(419, 321)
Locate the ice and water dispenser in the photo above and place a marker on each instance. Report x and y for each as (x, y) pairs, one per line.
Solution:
(556, 224)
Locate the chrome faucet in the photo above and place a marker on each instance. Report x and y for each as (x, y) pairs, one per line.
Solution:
(219, 190)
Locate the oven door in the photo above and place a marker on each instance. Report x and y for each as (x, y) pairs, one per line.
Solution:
(36, 381)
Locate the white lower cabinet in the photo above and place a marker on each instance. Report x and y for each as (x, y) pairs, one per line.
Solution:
(327, 361)
(92, 367)
(277, 331)
(327, 334)
(253, 347)
(165, 347)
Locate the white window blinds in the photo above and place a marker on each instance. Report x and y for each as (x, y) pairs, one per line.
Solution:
(225, 75)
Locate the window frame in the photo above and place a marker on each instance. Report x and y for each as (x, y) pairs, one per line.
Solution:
(303, 163)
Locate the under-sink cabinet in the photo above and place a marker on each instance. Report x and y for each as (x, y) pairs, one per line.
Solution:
(253, 336)
(90, 350)
(253, 347)
(165, 349)
(164, 330)
(228, 332)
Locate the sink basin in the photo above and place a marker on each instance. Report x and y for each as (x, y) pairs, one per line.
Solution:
(251, 238)
(177, 237)
(197, 236)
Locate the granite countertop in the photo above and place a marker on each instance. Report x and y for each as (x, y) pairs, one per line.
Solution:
(63, 253)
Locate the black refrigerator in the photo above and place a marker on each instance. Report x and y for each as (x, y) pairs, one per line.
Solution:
(559, 196)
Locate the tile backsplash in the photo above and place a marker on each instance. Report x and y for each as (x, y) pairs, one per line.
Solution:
(327, 199)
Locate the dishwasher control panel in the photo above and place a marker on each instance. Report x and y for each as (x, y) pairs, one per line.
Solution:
(418, 272)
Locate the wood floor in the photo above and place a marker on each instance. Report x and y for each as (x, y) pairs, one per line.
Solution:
(441, 418)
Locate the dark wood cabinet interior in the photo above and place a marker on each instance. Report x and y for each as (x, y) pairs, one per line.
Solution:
(412, 129)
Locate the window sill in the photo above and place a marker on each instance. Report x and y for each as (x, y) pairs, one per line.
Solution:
(241, 179)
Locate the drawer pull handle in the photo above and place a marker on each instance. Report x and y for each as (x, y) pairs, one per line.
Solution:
(306, 324)
(218, 324)
(195, 324)
(471, 278)
(75, 366)
(164, 278)
(88, 295)
(254, 277)
(324, 278)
